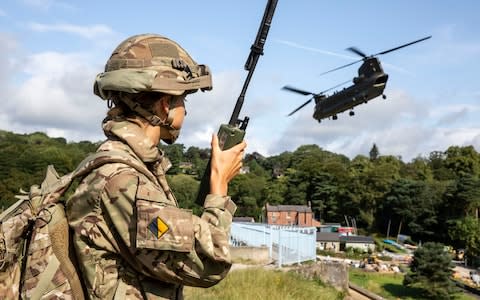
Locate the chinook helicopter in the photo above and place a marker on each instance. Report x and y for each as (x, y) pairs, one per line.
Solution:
(369, 84)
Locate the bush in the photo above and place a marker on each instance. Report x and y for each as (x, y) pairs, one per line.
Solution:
(431, 270)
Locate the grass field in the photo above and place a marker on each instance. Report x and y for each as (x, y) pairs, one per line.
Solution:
(259, 284)
(388, 286)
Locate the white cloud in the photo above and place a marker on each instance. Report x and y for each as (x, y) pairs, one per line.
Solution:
(56, 97)
(207, 110)
(89, 32)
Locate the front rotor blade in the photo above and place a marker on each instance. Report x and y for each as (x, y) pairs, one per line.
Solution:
(344, 66)
(300, 107)
(402, 46)
(356, 51)
(295, 90)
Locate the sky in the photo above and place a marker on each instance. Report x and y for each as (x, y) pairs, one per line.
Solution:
(51, 51)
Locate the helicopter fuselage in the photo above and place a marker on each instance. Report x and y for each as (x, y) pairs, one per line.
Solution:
(369, 84)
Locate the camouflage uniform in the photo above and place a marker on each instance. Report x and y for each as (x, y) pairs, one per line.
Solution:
(131, 239)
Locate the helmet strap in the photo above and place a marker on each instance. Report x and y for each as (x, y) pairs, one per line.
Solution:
(148, 115)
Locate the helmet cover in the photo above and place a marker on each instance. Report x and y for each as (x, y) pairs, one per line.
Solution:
(151, 63)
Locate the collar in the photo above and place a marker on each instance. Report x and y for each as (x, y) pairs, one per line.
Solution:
(131, 134)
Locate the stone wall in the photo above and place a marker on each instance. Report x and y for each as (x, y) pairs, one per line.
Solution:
(332, 273)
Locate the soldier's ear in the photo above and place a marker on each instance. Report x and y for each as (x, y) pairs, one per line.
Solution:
(165, 103)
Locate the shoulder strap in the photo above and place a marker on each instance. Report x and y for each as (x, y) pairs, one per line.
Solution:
(98, 159)
(55, 186)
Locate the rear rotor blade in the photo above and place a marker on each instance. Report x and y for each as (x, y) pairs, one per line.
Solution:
(356, 51)
(300, 107)
(402, 46)
(344, 66)
(295, 90)
(340, 84)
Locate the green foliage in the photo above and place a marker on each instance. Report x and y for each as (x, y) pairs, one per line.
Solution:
(467, 230)
(413, 203)
(24, 159)
(431, 196)
(431, 271)
(256, 283)
(185, 189)
(174, 152)
(462, 160)
(246, 190)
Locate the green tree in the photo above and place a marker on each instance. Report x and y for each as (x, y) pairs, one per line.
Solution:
(374, 153)
(324, 197)
(467, 232)
(462, 197)
(297, 186)
(185, 189)
(174, 153)
(413, 203)
(431, 270)
(462, 160)
(436, 162)
(417, 169)
(199, 159)
(246, 191)
(275, 191)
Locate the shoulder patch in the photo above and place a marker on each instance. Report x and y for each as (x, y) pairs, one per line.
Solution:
(158, 227)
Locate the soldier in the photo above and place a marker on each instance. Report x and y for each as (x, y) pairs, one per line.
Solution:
(131, 239)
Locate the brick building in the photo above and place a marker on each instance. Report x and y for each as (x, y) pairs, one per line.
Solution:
(299, 215)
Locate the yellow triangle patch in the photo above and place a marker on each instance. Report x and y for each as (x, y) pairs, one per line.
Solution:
(158, 227)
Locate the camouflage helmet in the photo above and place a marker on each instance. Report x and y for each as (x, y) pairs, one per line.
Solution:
(151, 63)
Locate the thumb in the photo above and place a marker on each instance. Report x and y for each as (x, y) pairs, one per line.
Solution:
(214, 142)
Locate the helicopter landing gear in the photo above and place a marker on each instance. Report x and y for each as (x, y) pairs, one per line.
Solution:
(351, 113)
(334, 117)
(384, 96)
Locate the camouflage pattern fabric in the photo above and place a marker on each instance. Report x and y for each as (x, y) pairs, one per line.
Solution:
(131, 239)
(14, 222)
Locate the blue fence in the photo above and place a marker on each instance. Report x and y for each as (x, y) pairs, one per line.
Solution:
(287, 244)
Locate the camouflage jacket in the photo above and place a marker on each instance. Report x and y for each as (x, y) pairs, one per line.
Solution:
(132, 240)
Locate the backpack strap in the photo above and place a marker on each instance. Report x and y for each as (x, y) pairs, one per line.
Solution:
(54, 186)
(98, 159)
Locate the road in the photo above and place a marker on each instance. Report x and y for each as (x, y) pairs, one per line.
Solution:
(354, 295)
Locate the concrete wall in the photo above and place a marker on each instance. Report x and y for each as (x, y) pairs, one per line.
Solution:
(332, 273)
(363, 247)
(259, 255)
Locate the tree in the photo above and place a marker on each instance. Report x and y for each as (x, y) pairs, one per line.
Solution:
(246, 191)
(374, 153)
(436, 162)
(431, 270)
(185, 189)
(467, 232)
(174, 152)
(274, 191)
(462, 160)
(413, 203)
